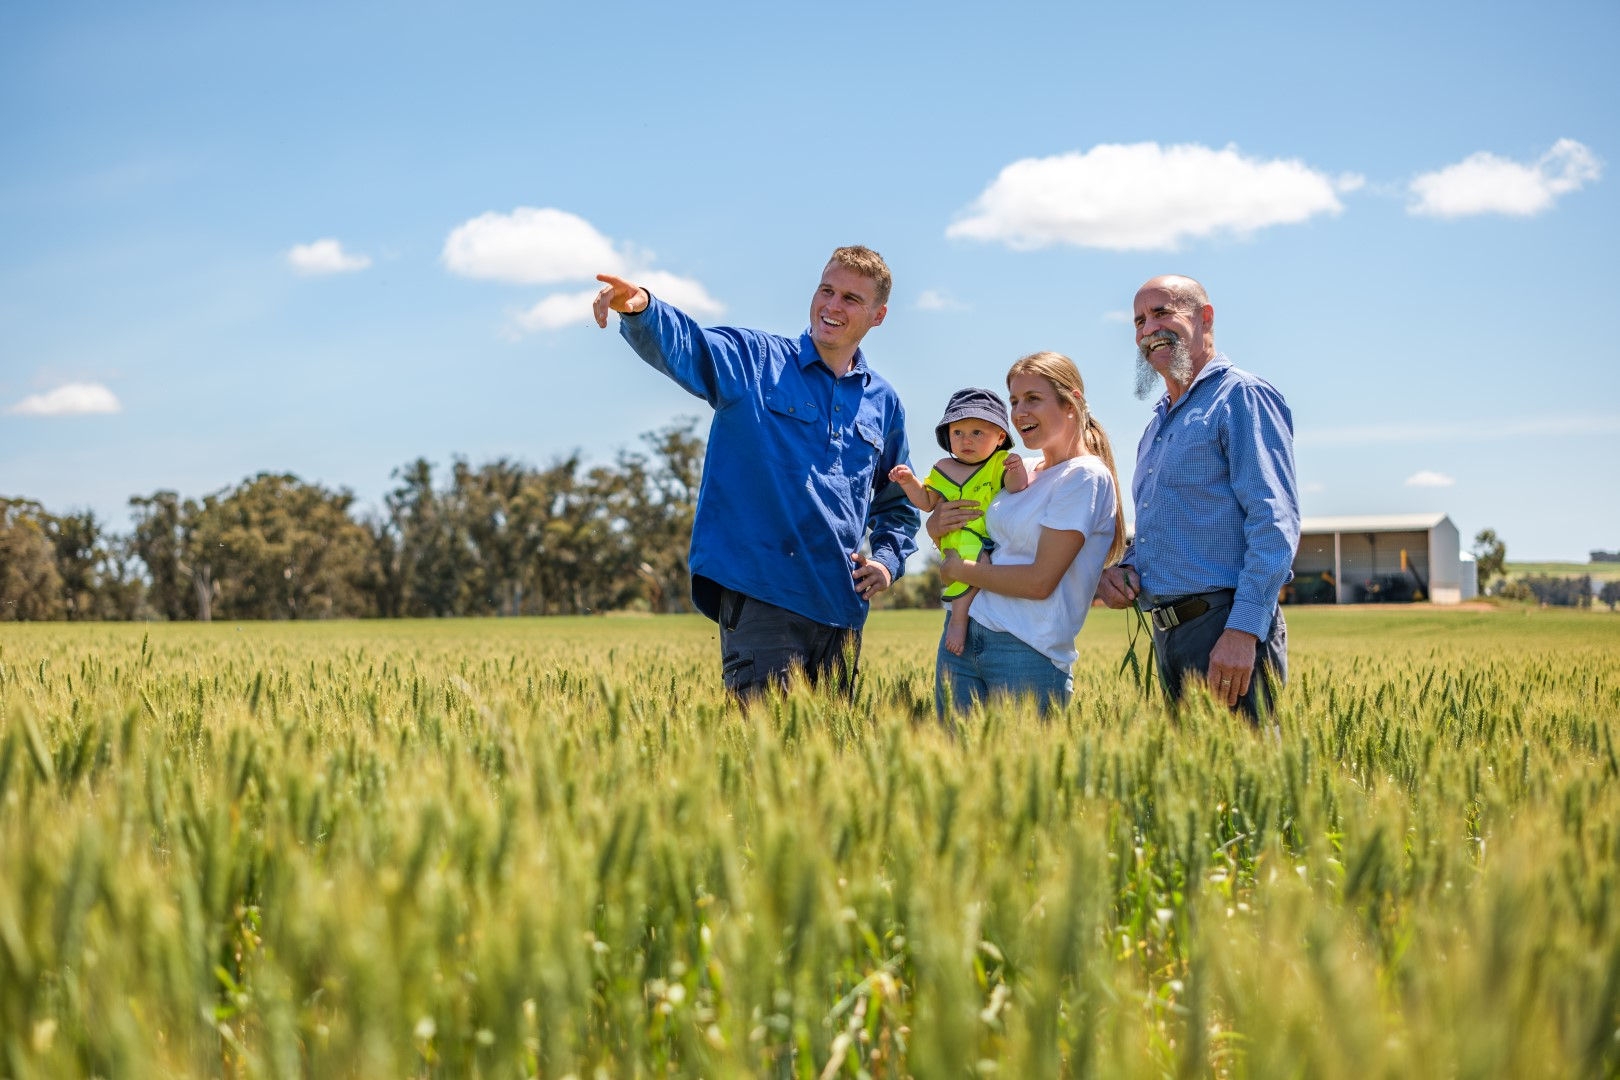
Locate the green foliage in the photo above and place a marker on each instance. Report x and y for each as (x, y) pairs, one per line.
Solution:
(553, 847)
(1560, 591)
(1490, 557)
(30, 585)
(917, 589)
(507, 539)
(500, 538)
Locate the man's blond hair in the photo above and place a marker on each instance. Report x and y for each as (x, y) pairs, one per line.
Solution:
(867, 263)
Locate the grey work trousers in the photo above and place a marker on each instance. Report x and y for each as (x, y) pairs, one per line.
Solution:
(762, 644)
(1184, 650)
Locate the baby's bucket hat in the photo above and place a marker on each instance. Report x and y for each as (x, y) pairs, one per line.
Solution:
(980, 405)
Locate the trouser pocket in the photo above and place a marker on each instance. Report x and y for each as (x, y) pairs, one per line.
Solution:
(731, 607)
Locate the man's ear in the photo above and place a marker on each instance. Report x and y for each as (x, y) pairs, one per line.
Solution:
(1208, 316)
(882, 311)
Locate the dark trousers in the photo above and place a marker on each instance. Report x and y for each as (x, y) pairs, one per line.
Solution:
(1184, 651)
(761, 645)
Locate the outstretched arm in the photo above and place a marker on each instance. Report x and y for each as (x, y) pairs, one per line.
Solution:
(923, 498)
(618, 295)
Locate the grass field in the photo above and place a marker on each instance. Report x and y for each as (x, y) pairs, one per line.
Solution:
(551, 847)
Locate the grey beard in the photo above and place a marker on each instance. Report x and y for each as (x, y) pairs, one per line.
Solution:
(1180, 368)
(1146, 377)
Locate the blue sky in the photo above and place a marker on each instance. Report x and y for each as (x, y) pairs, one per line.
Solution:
(328, 239)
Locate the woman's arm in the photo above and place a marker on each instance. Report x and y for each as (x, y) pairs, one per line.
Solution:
(1055, 551)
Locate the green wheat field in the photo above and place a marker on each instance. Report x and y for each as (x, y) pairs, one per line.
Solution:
(552, 848)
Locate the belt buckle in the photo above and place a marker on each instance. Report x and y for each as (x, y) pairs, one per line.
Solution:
(1165, 618)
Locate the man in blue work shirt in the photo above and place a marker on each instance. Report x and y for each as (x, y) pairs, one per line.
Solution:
(1217, 509)
(796, 475)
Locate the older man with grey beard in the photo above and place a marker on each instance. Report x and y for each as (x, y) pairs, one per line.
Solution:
(1217, 509)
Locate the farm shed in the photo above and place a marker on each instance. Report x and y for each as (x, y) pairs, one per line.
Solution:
(1386, 558)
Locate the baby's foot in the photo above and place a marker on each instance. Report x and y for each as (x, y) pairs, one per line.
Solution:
(956, 636)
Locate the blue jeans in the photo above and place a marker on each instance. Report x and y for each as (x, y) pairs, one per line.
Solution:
(994, 663)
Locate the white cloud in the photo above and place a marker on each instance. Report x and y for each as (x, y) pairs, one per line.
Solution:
(1145, 197)
(557, 310)
(325, 256)
(1119, 316)
(1483, 183)
(936, 300)
(565, 309)
(547, 246)
(1429, 478)
(684, 293)
(1312, 487)
(72, 399)
(530, 247)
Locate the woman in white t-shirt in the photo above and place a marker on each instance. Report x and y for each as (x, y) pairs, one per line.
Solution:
(1052, 541)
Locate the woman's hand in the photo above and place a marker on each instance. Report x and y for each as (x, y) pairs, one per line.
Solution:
(950, 516)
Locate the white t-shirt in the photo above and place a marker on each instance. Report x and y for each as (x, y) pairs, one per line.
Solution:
(1076, 495)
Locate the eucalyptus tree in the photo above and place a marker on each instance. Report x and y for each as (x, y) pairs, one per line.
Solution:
(30, 586)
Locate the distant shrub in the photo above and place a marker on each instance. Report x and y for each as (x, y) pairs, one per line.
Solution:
(1560, 591)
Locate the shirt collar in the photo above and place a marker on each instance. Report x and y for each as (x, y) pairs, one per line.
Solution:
(808, 355)
(1217, 364)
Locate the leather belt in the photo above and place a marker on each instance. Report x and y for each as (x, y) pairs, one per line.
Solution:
(1167, 617)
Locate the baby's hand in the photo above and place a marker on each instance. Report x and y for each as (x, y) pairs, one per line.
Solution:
(902, 474)
(1016, 475)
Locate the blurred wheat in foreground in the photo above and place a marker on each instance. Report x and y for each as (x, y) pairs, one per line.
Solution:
(551, 848)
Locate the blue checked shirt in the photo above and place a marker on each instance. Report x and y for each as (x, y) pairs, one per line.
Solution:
(1216, 502)
(797, 470)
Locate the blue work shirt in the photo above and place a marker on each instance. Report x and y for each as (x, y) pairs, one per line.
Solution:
(1216, 502)
(796, 474)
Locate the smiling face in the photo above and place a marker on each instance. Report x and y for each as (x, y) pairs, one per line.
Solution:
(973, 440)
(1044, 418)
(843, 309)
(1174, 329)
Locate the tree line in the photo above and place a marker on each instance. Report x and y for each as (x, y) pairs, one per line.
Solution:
(501, 538)
(1490, 558)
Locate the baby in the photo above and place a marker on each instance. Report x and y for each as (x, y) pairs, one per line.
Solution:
(974, 431)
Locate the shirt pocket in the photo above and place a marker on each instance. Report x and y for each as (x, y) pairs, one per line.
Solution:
(862, 454)
(789, 431)
(1192, 453)
(789, 405)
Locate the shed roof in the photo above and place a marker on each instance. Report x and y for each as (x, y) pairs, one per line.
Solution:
(1371, 523)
